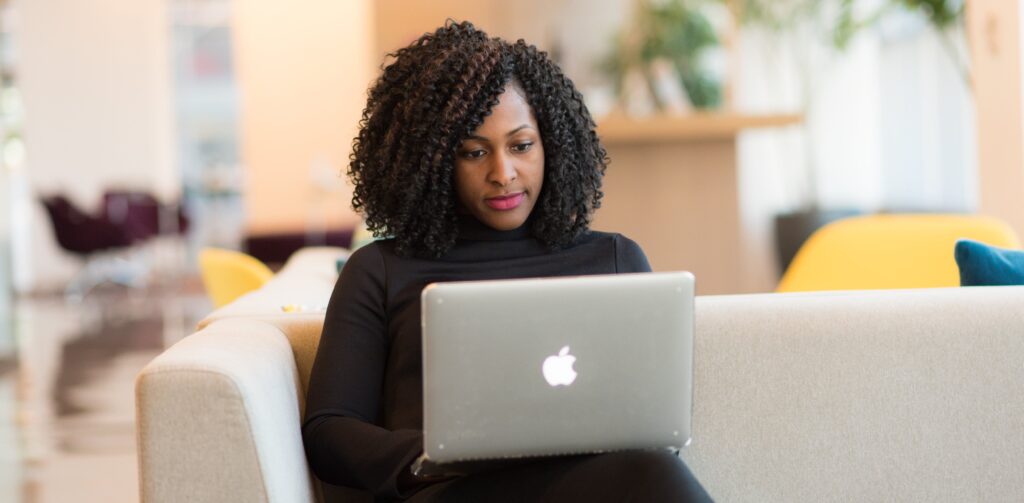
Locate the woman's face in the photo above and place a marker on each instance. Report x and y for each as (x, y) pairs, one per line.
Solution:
(499, 169)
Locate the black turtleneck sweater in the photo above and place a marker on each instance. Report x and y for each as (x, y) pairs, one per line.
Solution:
(364, 408)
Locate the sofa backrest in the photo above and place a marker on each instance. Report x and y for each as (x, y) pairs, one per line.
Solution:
(900, 395)
(853, 395)
(863, 396)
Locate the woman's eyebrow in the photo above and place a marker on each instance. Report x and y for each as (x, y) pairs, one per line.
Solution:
(510, 133)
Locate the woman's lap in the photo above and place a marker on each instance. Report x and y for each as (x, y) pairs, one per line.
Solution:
(621, 476)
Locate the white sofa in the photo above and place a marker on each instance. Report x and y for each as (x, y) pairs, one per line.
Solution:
(903, 395)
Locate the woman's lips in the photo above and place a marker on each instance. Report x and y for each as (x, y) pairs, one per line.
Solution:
(505, 203)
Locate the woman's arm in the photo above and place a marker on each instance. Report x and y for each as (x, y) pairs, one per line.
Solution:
(344, 445)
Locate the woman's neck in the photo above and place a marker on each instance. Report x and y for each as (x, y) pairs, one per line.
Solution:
(471, 229)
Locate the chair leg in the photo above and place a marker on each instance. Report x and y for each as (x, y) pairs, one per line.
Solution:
(83, 282)
(109, 267)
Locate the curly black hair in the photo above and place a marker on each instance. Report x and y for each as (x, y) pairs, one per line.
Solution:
(436, 93)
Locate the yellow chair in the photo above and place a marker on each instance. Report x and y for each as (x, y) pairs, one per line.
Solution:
(228, 274)
(889, 251)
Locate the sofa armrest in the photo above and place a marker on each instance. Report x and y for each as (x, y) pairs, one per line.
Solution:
(218, 418)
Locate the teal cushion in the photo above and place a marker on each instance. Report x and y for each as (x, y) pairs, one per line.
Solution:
(984, 265)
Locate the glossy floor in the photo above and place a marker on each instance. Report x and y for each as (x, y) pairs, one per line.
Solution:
(67, 373)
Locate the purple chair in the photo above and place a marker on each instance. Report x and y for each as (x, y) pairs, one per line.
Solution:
(140, 214)
(90, 237)
(80, 233)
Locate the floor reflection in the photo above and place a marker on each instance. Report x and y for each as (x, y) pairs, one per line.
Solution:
(67, 373)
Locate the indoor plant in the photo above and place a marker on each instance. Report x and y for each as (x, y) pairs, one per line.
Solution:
(663, 49)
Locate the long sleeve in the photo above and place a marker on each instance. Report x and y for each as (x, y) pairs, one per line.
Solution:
(344, 444)
(629, 257)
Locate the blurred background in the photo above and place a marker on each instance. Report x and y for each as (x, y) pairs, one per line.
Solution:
(136, 133)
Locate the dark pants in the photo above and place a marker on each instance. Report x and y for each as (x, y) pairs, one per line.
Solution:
(622, 476)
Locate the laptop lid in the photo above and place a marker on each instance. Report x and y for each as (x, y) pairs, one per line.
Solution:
(550, 366)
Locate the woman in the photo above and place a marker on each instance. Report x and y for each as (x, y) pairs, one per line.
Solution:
(480, 161)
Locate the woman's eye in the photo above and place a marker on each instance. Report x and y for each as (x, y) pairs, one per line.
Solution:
(522, 147)
(473, 154)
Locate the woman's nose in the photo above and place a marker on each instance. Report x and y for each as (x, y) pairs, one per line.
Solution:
(503, 171)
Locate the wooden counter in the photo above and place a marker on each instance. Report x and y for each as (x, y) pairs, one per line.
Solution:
(697, 127)
(672, 187)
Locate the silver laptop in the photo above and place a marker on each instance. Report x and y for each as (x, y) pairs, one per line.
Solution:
(542, 367)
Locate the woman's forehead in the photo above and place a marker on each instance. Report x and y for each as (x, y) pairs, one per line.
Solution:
(511, 113)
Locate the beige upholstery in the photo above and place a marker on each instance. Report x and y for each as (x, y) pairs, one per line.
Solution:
(904, 395)
(912, 395)
(217, 418)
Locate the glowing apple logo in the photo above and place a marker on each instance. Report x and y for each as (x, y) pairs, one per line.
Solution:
(558, 368)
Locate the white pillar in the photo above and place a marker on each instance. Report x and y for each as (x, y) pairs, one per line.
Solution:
(6, 282)
(994, 29)
(94, 78)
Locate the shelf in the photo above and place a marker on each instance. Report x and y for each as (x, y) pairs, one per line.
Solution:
(698, 127)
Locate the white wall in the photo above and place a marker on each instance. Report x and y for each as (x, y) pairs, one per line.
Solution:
(302, 75)
(581, 30)
(95, 79)
(929, 153)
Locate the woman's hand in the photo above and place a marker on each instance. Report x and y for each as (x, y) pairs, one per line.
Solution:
(408, 479)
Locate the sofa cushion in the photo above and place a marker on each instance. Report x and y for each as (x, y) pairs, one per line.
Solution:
(984, 265)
